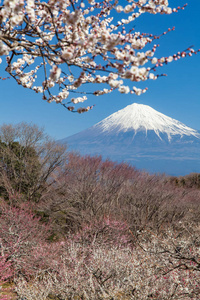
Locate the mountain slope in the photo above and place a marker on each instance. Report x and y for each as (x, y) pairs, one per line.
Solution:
(144, 137)
(138, 117)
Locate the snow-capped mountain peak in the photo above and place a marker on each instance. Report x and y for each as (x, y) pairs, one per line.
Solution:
(144, 137)
(139, 117)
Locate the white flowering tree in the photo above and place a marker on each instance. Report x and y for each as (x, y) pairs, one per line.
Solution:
(59, 48)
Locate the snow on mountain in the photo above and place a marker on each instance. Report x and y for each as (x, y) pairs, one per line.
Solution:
(139, 117)
(144, 137)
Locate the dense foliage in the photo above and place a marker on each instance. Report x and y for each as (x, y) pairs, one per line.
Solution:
(27, 159)
(20, 166)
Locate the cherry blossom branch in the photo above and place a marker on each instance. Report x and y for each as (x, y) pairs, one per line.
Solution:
(86, 39)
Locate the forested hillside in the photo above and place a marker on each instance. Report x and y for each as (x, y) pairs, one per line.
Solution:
(79, 227)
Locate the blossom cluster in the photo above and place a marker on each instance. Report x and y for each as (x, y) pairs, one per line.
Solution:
(56, 47)
(110, 271)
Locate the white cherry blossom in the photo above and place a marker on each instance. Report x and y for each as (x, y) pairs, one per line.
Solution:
(57, 47)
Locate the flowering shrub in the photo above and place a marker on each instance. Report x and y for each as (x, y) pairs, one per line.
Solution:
(154, 266)
(5, 268)
(107, 231)
(5, 273)
(75, 43)
(23, 240)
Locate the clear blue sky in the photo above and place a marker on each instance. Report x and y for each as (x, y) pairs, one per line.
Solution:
(177, 95)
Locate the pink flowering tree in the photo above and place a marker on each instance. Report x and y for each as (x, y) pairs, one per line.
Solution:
(59, 48)
(24, 247)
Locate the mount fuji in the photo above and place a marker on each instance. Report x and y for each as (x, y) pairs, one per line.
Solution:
(143, 137)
